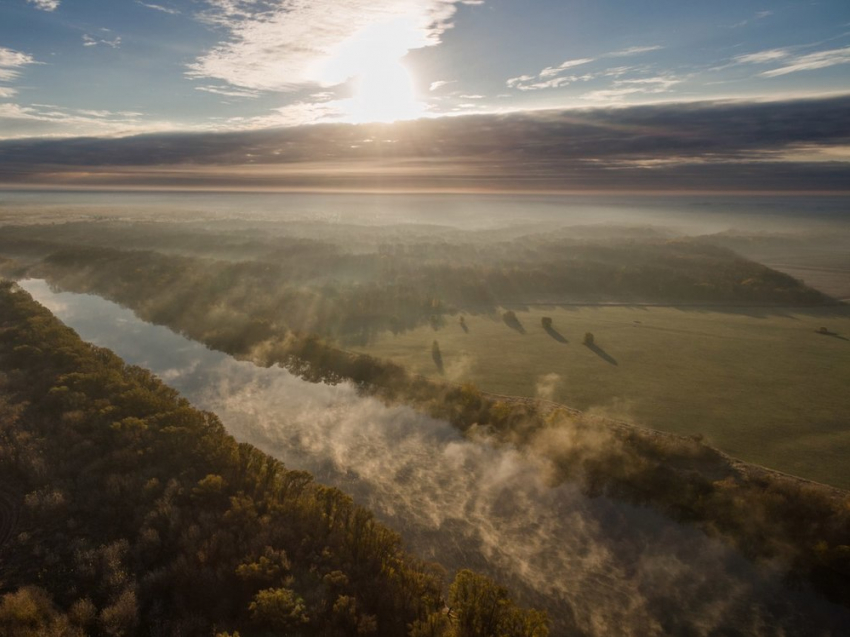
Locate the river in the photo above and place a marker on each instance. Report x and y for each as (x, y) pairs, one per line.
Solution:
(599, 567)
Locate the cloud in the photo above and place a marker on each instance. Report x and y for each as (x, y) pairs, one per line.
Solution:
(812, 61)
(228, 92)
(94, 113)
(634, 50)
(552, 76)
(282, 46)
(639, 86)
(792, 62)
(514, 82)
(555, 70)
(296, 114)
(759, 15)
(17, 121)
(610, 94)
(439, 84)
(90, 41)
(762, 57)
(159, 7)
(619, 71)
(703, 145)
(555, 82)
(11, 62)
(548, 78)
(45, 5)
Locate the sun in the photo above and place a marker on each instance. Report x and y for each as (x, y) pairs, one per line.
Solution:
(383, 93)
(372, 61)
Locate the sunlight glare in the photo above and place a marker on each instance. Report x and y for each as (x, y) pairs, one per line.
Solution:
(383, 87)
(384, 94)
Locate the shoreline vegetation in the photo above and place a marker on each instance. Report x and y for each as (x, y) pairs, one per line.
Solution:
(239, 309)
(134, 513)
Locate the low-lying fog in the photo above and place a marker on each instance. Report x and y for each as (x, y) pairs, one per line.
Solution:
(806, 236)
(599, 567)
(683, 214)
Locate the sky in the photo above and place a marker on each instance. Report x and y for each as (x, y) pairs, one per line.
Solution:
(426, 94)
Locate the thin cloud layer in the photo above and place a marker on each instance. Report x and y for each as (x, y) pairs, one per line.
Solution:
(762, 57)
(283, 46)
(53, 120)
(791, 62)
(634, 50)
(45, 5)
(554, 76)
(159, 7)
(759, 15)
(92, 41)
(796, 145)
(11, 63)
(812, 61)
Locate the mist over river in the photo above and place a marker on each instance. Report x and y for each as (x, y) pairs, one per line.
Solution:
(599, 567)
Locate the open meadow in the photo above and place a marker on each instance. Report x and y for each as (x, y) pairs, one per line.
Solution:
(758, 383)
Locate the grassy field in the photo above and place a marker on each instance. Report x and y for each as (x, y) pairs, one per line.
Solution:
(760, 384)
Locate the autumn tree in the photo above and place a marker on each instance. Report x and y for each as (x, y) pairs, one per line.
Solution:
(482, 608)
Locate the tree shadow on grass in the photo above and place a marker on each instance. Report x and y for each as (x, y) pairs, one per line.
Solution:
(512, 322)
(551, 331)
(437, 357)
(601, 353)
(824, 332)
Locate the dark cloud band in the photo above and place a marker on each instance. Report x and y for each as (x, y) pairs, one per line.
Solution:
(799, 145)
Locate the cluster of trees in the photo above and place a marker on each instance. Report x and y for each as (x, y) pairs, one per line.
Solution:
(140, 515)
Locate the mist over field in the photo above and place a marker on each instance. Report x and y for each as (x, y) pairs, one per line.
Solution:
(681, 213)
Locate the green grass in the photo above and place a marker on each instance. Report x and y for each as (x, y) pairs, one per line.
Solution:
(761, 385)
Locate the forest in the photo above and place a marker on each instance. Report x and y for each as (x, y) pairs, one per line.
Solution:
(126, 511)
